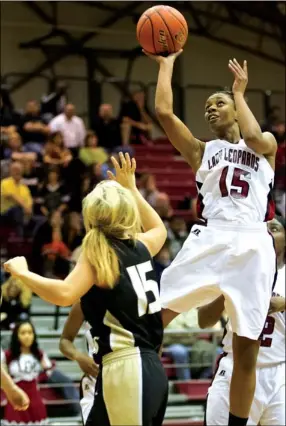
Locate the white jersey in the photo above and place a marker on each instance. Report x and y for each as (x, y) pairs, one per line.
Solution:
(272, 349)
(89, 340)
(234, 184)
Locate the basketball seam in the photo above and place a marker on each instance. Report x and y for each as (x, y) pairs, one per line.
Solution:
(167, 29)
(155, 50)
(142, 27)
(183, 24)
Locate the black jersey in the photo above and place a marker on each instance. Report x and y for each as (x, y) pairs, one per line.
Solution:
(129, 315)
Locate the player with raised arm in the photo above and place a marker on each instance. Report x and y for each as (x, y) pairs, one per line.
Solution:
(123, 306)
(232, 253)
(72, 326)
(268, 407)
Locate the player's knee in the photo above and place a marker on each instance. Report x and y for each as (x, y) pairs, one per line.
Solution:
(245, 353)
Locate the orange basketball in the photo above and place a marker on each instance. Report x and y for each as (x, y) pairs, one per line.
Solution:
(162, 30)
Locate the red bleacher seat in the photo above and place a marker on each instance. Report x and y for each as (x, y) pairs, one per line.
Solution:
(196, 390)
(167, 362)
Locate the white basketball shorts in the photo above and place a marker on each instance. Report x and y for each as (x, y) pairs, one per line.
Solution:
(87, 390)
(268, 407)
(237, 261)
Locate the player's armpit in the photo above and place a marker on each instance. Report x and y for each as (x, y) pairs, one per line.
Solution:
(191, 148)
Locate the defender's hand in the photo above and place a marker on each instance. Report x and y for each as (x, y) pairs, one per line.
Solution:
(124, 174)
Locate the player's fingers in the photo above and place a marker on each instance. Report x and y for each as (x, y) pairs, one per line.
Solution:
(110, 175)
(128, 161)
(133, 165)
(233, 67)
(122, 161)
(115, 164)
(245, 67)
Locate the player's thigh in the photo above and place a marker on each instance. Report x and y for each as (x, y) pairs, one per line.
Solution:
(217, 404)
(274, 413)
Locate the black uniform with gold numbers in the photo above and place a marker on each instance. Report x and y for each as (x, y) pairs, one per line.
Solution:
(126, 326)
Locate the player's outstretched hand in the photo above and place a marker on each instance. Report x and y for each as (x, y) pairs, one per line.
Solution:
(16, 266)
(124, 172)
(240, 75)
(170, 59)
(87, 364)
(18, 399)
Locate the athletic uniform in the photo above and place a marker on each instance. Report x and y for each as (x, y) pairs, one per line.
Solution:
(268, 407)
(87, 384)
(231, 252)
(127, 330)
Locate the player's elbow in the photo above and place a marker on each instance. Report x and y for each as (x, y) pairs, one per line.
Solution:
(163, 113)
(202, 319)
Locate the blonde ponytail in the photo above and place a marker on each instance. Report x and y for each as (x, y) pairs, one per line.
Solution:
(102, 257)
(109, 212)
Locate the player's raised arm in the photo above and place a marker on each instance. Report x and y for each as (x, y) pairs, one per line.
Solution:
(262, 143)
(155, 232)
(182, 139)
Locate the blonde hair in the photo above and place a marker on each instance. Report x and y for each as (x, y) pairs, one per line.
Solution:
(25, 292)
(109, 211)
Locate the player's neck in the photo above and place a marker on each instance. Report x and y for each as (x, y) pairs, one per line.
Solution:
(231, 134)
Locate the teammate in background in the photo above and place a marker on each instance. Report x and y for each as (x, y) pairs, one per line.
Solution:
(268, 407)
(232, 255)
(16, 396)
(123, 306)
(87, 385)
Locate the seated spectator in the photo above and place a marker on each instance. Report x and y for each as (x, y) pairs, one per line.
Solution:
(9, 119)
(136, 123)
(16, 200)
(15, 150)
(96, 174)
(107, 128)
(24, 362)
(55, 152)
(44, 235)
(83, 187)
(16, 302)
(91, 153)
(163, 206)
(148, 189)
(177, 234)
(72, 232)
(34, 130)
(52, 195)
(162, 260)
(71, 127)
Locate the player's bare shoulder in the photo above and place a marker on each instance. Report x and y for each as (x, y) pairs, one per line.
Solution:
(271, 143)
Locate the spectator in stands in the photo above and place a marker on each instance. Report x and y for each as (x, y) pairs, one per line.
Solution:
(136, 123)
(162, 260)
(148, 189)
(178, 348)
(54, 103)
(177, 234)
(15, 149)
(91, 153)
(44, 235)
(53, 194)
(32, 175)
(55, 152)
(33, 128)
(163, 206)
(16, 200)
(9, 119)
(25, 361)
(107, 128)
(15, 303)
(72, 128)
(96, 174)
(82, 188)
(72, 230)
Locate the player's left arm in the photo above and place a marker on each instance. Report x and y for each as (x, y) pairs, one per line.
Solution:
(59, 292)
(262, 143)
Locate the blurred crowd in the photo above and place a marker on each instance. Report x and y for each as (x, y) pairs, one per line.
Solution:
(50, 161)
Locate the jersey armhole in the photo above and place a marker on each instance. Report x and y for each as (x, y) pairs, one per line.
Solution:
(145, 248)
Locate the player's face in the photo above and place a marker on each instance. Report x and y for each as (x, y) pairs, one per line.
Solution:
(220, 111)
(26, 335)
(278, 232)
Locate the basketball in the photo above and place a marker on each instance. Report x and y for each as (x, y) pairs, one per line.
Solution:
(162, 30)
